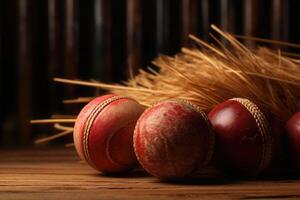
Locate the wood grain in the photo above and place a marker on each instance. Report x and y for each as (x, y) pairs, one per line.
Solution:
(58, 174)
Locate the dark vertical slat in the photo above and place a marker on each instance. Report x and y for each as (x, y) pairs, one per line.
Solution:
(98, 64)
(85, 38)
(276, 19)
(54, 52)
(71, 38)
(249, 25)
(118, 23)
(1, 39)
(294, 18)
(210, 14)
(107, 41)
(70, 43)
(2, 116)
(40, 84)
(214, 12)
(162, 22)
(189, 19)
(228, 15)
(9, 96)
(280, 20)
(174, 33)
(239, 17)
(90, 57)
(231, 17)
(285, 20)
(205, 22)
(95, 39)
(168, 14)
(148, 31)
(134, 34)
(25, 58)
(257, 19)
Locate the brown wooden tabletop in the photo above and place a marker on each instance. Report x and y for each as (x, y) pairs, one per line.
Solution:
(58, 174)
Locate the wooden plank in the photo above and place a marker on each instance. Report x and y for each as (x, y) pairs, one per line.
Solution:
(58, 173)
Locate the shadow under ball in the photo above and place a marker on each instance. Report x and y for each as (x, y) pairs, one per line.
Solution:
(244, 141)
(103, 133)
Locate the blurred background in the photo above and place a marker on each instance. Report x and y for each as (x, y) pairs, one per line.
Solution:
(100, 39)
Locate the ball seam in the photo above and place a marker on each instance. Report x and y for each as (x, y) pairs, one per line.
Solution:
(264, 130)
(89, 122)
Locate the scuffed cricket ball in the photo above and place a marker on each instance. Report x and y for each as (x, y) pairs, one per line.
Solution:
(173, 139)
(244, 141)
(103, 133)
(292, 131)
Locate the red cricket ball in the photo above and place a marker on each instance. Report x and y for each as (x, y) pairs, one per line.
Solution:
(173, 139)
(244, 142)
(293, 138)
(103, 133)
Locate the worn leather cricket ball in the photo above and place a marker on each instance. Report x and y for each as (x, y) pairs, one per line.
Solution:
(244, 141)
(173, 139)
(103, 133)
(292, 133)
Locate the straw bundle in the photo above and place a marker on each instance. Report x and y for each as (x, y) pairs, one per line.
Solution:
(208, 74)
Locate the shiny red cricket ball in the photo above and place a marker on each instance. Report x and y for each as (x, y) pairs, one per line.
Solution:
(244, 141)
(173, 139)
(292, 131)
(103, 133)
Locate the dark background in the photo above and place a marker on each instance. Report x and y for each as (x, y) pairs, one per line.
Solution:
(100, 39)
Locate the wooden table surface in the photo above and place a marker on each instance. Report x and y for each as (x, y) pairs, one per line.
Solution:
(58, 174)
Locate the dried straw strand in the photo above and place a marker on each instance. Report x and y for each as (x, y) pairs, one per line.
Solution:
(63, 128)
(53, 137)
(50, 121)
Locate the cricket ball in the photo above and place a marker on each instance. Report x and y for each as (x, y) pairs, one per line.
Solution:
(292, 133)
(244, 141)
(103, 133)
(173, 139)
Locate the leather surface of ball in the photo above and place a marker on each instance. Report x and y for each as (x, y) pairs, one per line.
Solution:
(173, 139)
(292, 131)
(103, 133)
(244, 142)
